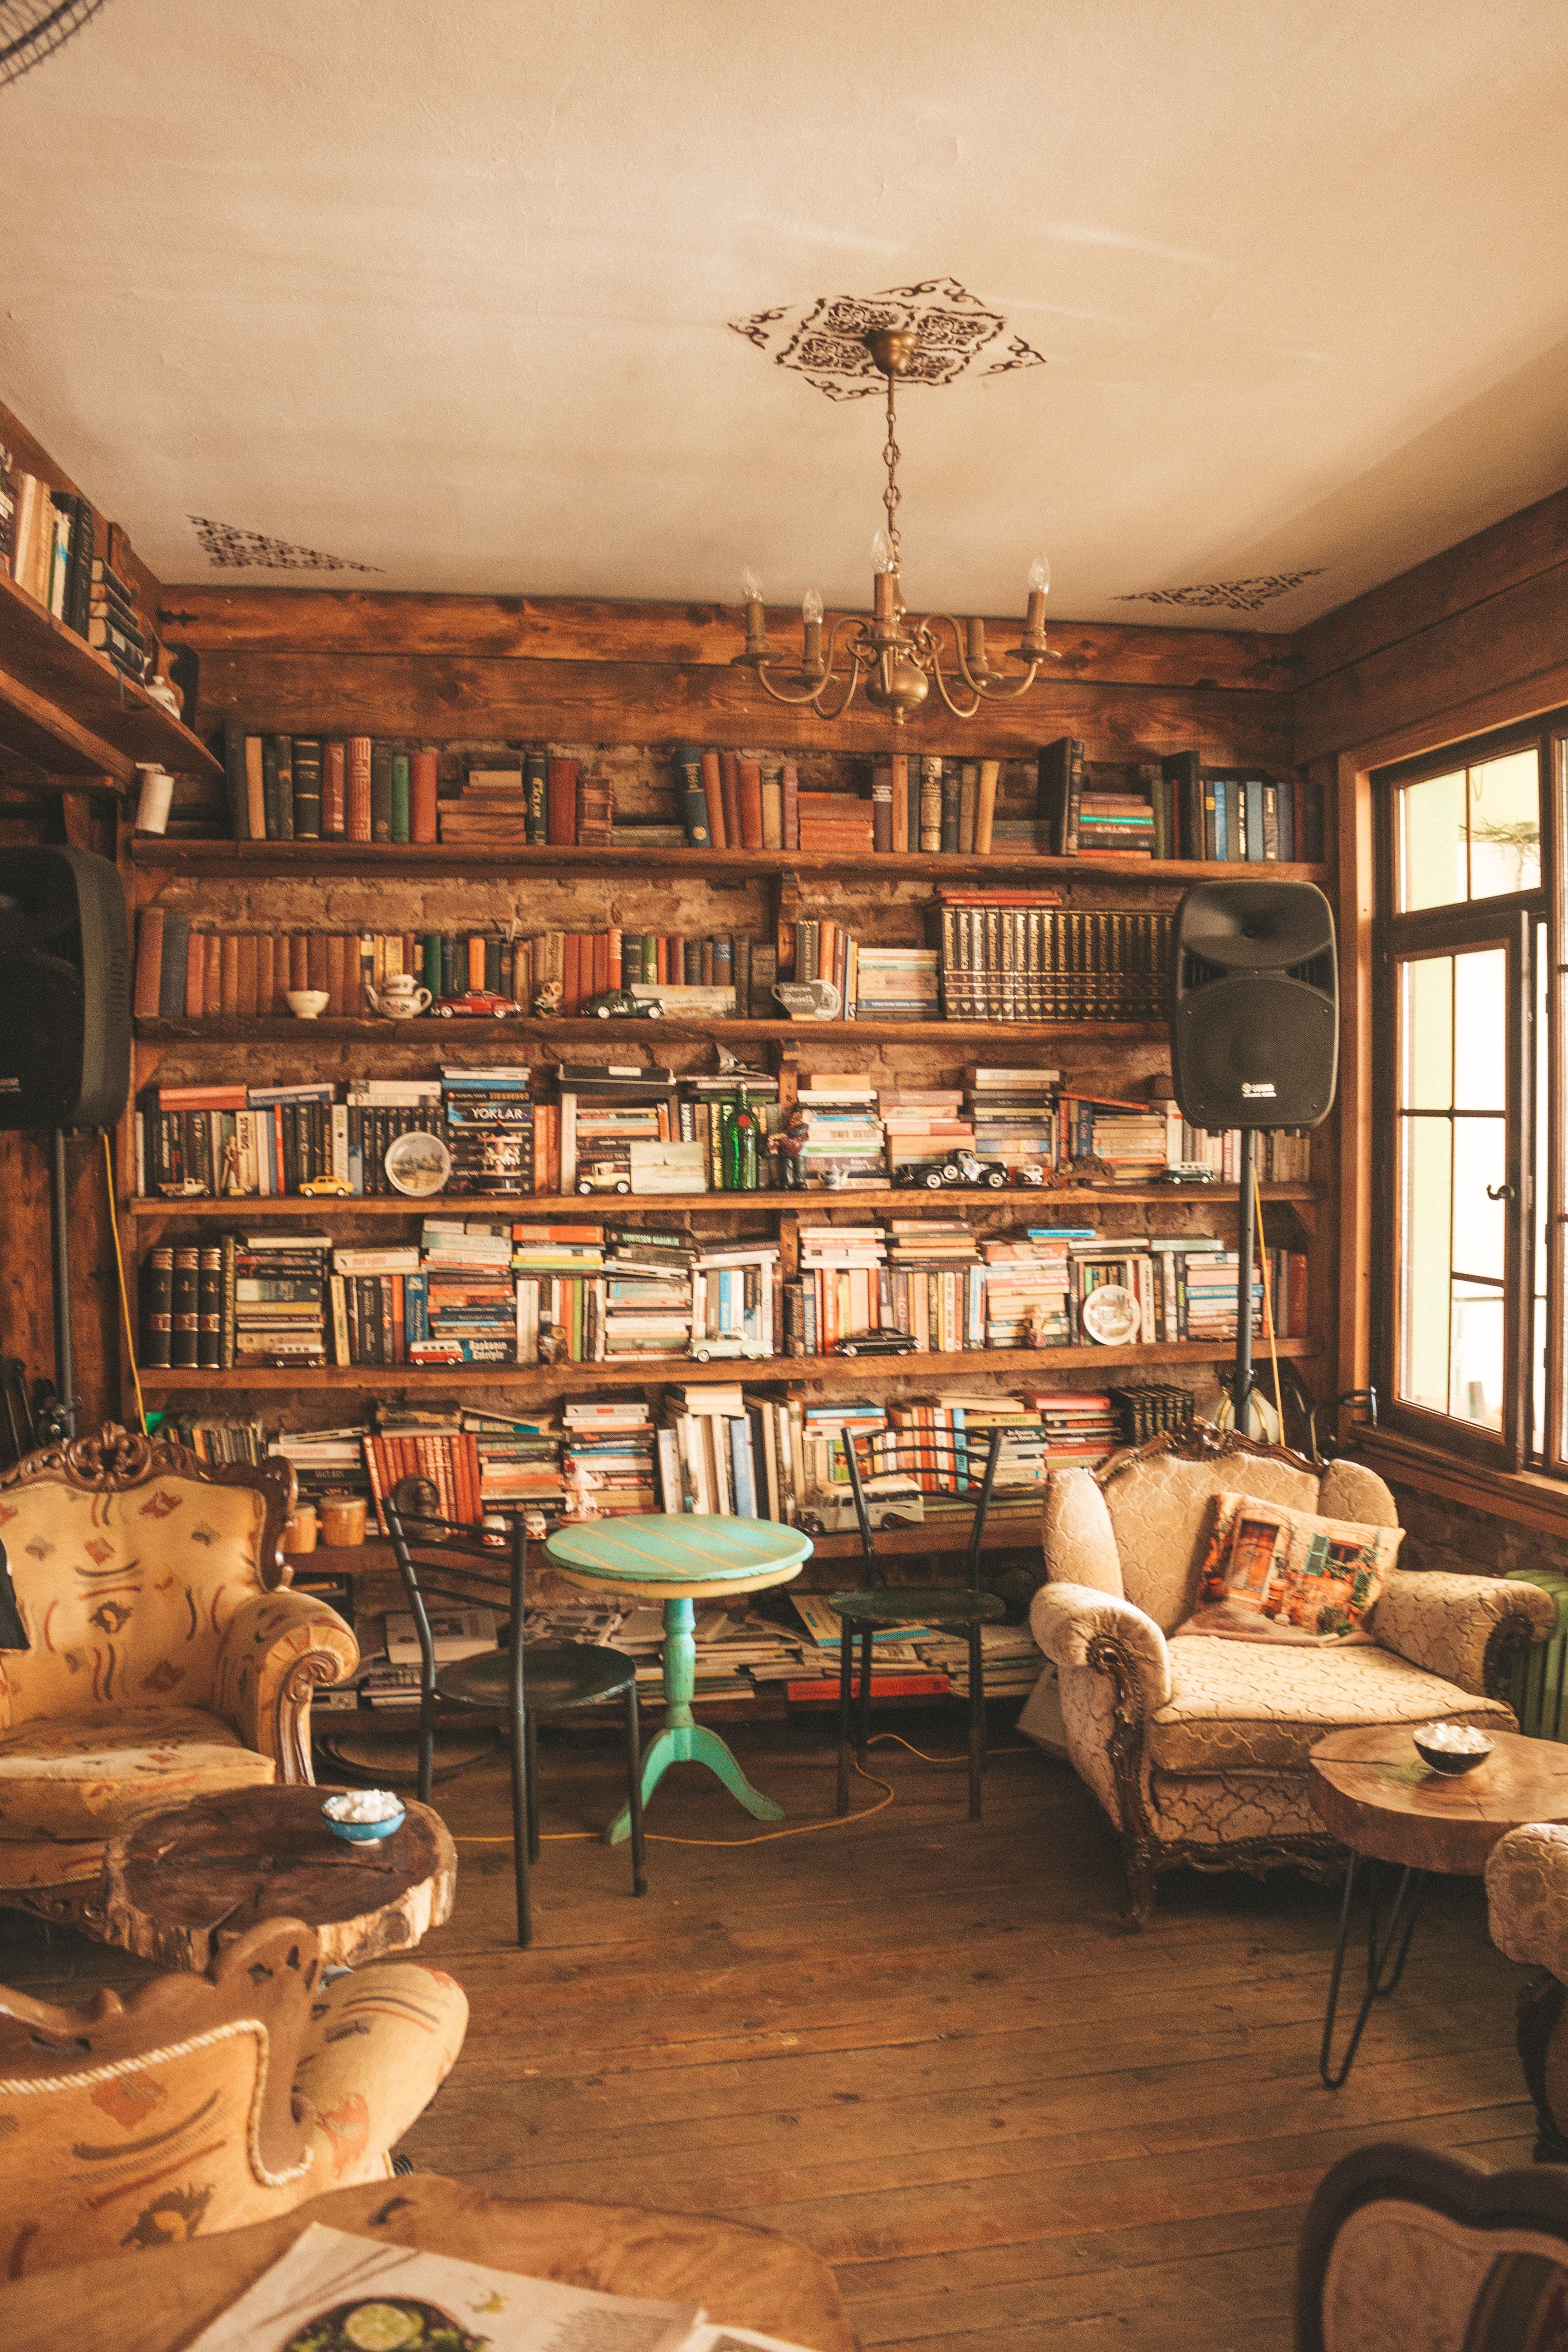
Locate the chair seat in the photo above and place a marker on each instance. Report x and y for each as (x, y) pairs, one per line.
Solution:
(554, 1675)
(77, 1775)
(1247, 1706)
(917, 1604)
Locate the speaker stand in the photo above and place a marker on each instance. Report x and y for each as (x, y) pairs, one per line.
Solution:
(1246, 1242)
(64, 1404)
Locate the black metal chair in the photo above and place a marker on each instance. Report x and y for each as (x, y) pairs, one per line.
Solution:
(461, 1566)
(871, 1606)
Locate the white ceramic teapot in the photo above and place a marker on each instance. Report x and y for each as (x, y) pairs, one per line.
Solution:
(401, 998)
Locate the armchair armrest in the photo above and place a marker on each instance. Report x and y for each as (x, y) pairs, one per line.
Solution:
(1068, 1620)
(1526, 1896)
(1468, 1629)
(275, 1650)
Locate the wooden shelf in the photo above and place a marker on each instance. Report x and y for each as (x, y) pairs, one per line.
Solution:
(266, 1029)
(229, 859)
(67, 711)
(601, 1206)
(644, 1371)
(375, 1557)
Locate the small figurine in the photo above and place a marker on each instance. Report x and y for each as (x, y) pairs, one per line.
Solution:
(788, 1145)
(552, 1344)
(232, 1182)
(580, 1484)
(547, 1000)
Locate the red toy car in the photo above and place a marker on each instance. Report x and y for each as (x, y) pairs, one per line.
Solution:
(477, 1002)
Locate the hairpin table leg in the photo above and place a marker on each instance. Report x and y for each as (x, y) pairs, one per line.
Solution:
(1393, 1943)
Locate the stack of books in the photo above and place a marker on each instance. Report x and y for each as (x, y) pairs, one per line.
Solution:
(1013, 1113)
(433, 1446)
(1132, 1138)
(560, 1292)
(491, 808)
(897, 984)
(837, 825)
(936, 1286)
(1115, 824)
(279, 1299)
(844, 1135)
(729, 1452)
(488, 1125)
(839, 1291)
(326, 1461)
(733, 1310)
(609, 1444)
(471, 1299)
(647, 1290)
(922, 1124)
(1027, 1291)
(520, 1463)
(1081, 1427)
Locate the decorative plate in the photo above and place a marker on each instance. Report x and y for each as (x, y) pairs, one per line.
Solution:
(418, 1164)
(1111, 1314)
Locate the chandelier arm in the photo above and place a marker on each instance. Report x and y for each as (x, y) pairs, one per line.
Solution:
(815, 696)
(942, 687)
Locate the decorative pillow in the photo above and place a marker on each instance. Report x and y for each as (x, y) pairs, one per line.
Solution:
(1272, 1574)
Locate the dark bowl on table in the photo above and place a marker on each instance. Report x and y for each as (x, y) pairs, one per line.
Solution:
(1451, 1761)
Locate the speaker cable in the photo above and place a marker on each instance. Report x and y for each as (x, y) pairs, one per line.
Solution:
(124, 1296)
(1267, 1297)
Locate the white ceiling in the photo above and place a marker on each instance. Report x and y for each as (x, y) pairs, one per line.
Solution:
(443, 290)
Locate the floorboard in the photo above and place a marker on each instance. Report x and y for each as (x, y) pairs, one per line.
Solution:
(929, 2050)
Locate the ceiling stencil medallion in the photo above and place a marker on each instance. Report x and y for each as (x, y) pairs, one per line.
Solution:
(1227, 595)
(823, 339)
(229, 548)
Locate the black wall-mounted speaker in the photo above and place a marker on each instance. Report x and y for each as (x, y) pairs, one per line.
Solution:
(1254, 1012)
(65, 1003)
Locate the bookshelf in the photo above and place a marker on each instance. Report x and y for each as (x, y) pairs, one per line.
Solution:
(71, 713)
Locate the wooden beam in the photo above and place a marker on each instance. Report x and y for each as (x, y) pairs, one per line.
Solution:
(602, 629)
(40, 733)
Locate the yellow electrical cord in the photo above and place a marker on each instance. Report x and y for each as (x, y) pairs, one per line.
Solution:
(803, 1829)
(1268, 1300)
(124, 1297)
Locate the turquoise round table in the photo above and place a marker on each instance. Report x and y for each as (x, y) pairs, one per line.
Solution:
(681, 1560)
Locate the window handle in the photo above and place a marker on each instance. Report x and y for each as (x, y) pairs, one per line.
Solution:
(1501, 1193)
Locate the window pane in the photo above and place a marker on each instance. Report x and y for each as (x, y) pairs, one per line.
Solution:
(1475, 1380)
(1481, 1030)
(1432, 841)
(1480, 1226)
(1427, 1033)
(1505, 825)
(1424, 1319)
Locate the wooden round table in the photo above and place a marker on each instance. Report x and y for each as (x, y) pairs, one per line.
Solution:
(681, 1560)
(180, 1883)
(1373, 1791)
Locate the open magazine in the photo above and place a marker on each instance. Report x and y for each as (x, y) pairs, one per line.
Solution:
(332, 2291)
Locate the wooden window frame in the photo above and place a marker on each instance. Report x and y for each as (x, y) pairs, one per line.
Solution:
(1508, 921)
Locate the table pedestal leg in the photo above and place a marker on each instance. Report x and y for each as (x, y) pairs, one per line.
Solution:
(683, 1740)
(1379, 1950)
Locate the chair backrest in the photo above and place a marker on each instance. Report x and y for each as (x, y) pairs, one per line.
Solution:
(1160, 1496)
(936, 1463)
(1415, 2247)
(449, 1563)
(129, 1555)
(142, 2122)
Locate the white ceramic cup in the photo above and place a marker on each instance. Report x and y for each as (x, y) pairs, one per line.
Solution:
(308, 1004)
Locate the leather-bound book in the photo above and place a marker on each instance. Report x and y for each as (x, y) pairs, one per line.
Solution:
(149, 963)
(560, 801)
(730, 793)
(357, 823)
(749, 789)
(334, 790)
(247, 1003)
(713, 794)
(283, 752)
(306, 776)
(422, 797)
(380, 792)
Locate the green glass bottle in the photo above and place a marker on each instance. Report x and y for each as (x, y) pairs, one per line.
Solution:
(740, 1146)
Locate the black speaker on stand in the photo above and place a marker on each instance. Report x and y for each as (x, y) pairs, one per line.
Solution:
(1254, 1029)
(65, 1028)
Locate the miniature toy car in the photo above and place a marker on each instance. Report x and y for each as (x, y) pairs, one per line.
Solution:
(876, 1343)
(1189, 1172)
(892, 1500)
(603, 1176)
(620, 1004)
(960, 1167)
(726, 1343)
(327, 1187)
(476, 1001)
(183, 1188)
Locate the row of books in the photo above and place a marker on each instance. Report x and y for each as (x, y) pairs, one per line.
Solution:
(1179, 807)
(1018, 955)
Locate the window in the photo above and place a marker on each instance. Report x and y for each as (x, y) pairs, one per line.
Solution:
(1468, 1325)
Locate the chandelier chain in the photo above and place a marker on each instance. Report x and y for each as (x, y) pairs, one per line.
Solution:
(892, 496)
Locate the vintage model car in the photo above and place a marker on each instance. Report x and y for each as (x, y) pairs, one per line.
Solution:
(725, 1343)
(620, 1004)
(876, 1343)
(476, 1002)
(892, 1500)
(603, 1176)
(326, 1188)
(960, 1167)
(183, 1188)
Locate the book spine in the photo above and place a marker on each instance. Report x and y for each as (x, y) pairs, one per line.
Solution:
(334, 794)
(951, 792)
(186, 1313)
(789, 804)
(693, 799)
(306, 771)
(358, 808)
(535, 785)
(158, 1310)
(985, 806)
(380, 793)
(234, 776)
(930, 805)
(397, 806)
(422, 797)
(283, 753)
(749, 791)
(713, 801)
(881, 808)
(149, 986)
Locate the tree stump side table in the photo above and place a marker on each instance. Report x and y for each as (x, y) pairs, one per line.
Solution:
(180, 1883)
(1374, 1793)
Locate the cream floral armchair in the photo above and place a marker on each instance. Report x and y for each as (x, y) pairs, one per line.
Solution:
(168, 1657)
(1197, 1748)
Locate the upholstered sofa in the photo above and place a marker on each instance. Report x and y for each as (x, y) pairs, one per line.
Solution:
(1196, 1747)
(205, 2103)
(1527, 1903)
(168, 1657)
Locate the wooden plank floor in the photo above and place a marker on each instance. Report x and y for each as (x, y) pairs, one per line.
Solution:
(929, 2049)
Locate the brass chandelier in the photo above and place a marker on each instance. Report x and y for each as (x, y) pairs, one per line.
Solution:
(901, 659)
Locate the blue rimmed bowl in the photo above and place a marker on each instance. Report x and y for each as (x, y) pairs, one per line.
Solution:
(361, 1833)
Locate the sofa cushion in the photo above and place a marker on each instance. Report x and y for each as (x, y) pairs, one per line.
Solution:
(77, 1775)
(1235, 1705)
(1290, 1577)
(1159, 1507)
